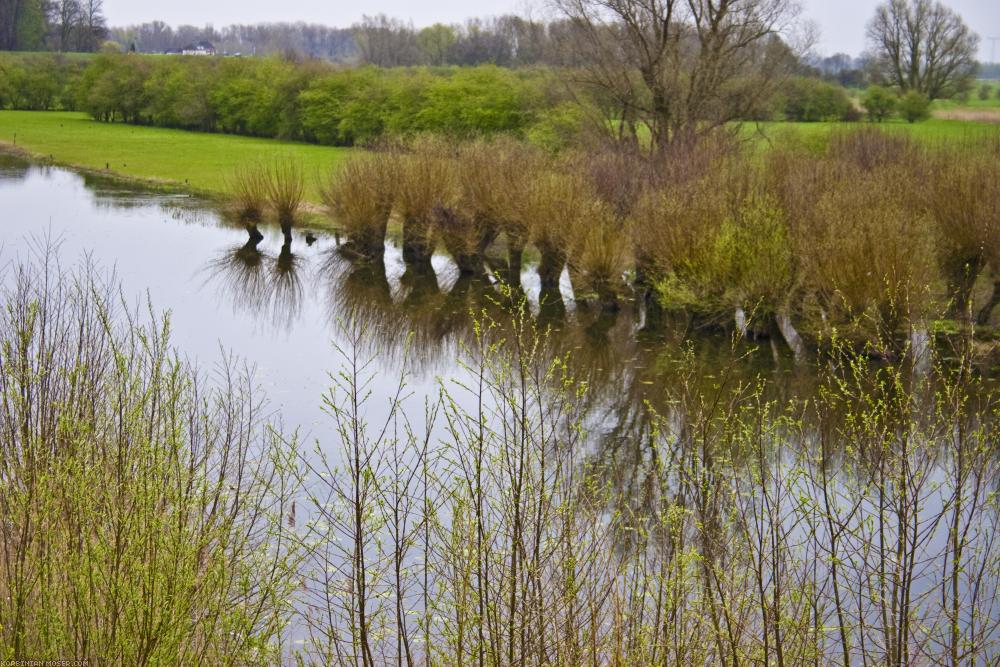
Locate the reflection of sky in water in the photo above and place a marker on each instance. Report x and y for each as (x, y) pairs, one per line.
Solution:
(279, 310)
(164, 245)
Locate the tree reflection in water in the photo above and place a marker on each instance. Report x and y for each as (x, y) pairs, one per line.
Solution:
(265, 286)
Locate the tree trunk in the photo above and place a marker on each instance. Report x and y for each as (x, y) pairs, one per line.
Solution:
(983, 317)
(515, 253)
(920, 348)
(417, 246)
(550, 267)
(791, 336)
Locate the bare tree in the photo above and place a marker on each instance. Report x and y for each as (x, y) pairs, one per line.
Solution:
(92, 29)
(386, 42)
(679, 67)
(924, 46)
(66, 15)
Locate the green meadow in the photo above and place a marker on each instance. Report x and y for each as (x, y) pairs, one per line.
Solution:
(931, 131)
(196, 161)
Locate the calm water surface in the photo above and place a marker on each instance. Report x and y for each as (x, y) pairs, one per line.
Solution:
(279, 309)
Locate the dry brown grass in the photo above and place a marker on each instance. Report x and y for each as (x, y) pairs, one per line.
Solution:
(969, 115)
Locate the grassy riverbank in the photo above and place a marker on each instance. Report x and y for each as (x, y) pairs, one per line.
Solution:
(201, 161)
(197, 161)
(935, 131)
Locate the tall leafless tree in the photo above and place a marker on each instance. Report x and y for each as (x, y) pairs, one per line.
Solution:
(65, 16)
(924, 46)
(386, 42)
(679, 67)
(92, 25)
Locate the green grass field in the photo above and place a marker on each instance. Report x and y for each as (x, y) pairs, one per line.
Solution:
(932, 131)
(197, 161)
(973, 101)
(202, 162)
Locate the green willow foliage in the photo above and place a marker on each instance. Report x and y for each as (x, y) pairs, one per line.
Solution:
(140, 503)
(853, 525)
(145, 517)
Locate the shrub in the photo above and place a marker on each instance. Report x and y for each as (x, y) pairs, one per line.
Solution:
(358, 197)
(754, 254)
(6, 90)
(179, 94)
(879, 102)
(249, 191)
(554, 209)
(491, 177)
(285, 189)
(33, 87)
(871, 148)
(914, 106)
(985, 90)
(868, 250)
(557, 128)
(483, 100)
(426, 181)
(141, 505)
(962, 193)
(676, 229)
(812, 100)
(113, 88)
(599, 256)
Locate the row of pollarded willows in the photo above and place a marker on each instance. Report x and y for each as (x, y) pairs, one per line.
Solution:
(871, 234)
(465, 197)
(258, 188)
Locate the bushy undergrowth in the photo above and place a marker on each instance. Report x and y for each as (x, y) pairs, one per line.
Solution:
(140, 501)
(147, 517)
(800, 531)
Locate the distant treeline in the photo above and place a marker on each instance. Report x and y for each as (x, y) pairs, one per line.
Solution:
(304, 39)
(989, 70)
(506, 41)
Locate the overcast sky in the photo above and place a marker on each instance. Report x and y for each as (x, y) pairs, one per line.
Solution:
(841, 23)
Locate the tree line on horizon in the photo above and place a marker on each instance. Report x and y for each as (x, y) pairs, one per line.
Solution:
(506, 41)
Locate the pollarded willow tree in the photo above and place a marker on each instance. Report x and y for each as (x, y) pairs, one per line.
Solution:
(680, 67)
(924, 46)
